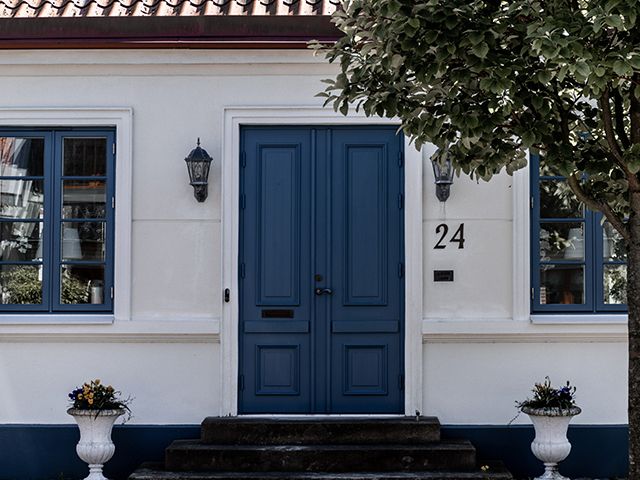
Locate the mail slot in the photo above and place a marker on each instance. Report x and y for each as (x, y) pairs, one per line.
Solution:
(277, 313)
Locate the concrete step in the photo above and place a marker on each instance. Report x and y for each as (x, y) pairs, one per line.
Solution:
(494, 472)
(191, 455)
(318, 431)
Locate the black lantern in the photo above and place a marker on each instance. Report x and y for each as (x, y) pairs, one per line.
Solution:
(443, 175)
(198, 164)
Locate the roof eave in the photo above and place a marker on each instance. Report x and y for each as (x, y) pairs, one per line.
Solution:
(214, 32)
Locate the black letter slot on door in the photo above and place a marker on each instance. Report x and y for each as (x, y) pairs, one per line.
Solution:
(277, 313)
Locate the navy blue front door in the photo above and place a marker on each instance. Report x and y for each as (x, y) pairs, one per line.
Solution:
(321, 270)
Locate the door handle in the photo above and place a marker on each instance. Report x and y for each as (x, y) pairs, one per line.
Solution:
(323, 291)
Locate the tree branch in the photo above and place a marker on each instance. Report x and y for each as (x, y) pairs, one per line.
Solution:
(605, 109)
(614, 147)
(635, 109)
(593, 204)
(619, 116)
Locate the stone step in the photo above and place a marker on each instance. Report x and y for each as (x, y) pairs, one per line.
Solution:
(494, 472)
(322, 430)
(191, 455)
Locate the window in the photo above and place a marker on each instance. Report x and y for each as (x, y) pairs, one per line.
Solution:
(578, 261)
(56, 220)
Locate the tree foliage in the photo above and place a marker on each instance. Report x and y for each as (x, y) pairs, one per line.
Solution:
(486, 79)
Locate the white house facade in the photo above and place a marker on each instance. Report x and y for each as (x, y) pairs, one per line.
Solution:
(441, 299)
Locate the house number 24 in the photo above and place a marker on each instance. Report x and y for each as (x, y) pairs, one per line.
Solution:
(457, 237)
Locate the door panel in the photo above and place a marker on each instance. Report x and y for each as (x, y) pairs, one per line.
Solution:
(321, 247)
(366, 247)
(275, 272)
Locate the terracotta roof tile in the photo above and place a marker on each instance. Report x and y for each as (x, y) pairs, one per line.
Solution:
(161, 8)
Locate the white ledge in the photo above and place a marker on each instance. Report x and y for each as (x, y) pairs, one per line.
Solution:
(517, 331)
(609, 319)
(120, 331)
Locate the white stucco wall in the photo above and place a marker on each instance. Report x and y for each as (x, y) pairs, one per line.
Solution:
(477, 359)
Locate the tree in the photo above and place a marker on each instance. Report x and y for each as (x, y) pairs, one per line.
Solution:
(484, 80)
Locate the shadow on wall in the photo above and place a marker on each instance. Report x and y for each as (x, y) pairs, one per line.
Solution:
(597, 450)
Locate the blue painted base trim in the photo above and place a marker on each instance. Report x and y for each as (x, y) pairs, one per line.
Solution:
(47, 452)
(598, 451)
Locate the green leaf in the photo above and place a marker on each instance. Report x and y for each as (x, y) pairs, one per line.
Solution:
(528, 139)
(621, 68)
(480, 50)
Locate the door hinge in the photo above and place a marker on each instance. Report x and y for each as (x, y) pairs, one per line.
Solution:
(113, 148)
(400, 270)
(111, 292)
(243, 159)
(400, 159)
(113, 202)
(401, 382)
(532, 293)
(227, 295)
(242, 270)
(531, 202)
(243, 202)
(241, 382)
(400, 201)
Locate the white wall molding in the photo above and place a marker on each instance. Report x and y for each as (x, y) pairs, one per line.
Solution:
(233, 118)
(508, 331)
(122, 119)
(163, 331)
(161, 57)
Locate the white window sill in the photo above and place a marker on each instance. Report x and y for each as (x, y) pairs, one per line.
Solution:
(576, 319)
(56, 319)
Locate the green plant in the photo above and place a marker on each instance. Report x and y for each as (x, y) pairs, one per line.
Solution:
(94, 395)
(21, 285)
(547, 396)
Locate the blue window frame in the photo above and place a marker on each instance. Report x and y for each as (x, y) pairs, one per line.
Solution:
(57, 198)
(578, 260)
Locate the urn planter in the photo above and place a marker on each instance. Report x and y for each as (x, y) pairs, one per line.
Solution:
(95, 446)
(551, 445)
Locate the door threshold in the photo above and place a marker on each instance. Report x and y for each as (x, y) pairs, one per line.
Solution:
(321, 415)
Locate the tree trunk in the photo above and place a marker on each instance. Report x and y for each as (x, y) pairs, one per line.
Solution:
(633, 301)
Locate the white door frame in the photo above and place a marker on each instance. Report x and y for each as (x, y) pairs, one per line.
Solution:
(233, 119)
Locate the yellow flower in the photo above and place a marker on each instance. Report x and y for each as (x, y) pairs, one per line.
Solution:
(97, 382)
(79, 396)
(90, 401)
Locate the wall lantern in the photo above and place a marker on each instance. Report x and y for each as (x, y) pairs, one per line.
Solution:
(442, 173)
(198, 164)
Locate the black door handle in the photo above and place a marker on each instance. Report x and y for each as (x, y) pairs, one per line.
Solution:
(323, 291)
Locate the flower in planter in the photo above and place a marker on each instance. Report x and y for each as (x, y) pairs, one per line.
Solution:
(94, 395)
(546, 396)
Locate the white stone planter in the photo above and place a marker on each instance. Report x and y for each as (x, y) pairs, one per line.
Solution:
(95, 446)
(551, 444)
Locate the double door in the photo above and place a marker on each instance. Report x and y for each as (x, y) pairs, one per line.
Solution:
(321, 270)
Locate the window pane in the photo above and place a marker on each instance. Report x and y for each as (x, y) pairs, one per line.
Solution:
(561, 284)
(21, 198)
(84, 199)
(20, 241)
(85, 157)
(82, 284)
(613, 246)
(20, 157)
(558, 201)
(20, 284)
(615, 284)
(83, 240)
(561, 241)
